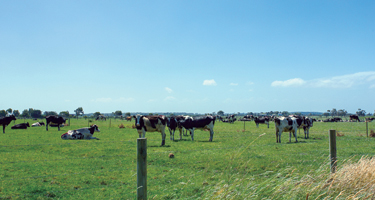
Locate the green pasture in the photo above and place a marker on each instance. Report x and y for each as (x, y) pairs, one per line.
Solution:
(242, 162)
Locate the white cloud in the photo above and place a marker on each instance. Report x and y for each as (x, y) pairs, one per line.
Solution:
(288, 83)
(233, 84)
(345, 81)
(169, 98)
(209, 82)
(249, 83)
(169, 90)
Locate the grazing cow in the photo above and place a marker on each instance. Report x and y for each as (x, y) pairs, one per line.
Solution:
(262, 120)
(288, 124)
(354, 117)
(202, 122)
(37, 124)
(151, 124)
(54, 119)
(101, 117)
(369, 119)
(5, 121)
(82, 133)
(129, 119)
(21, 126)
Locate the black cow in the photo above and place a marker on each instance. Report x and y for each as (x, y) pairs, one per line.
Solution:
(5, 121)
(202, 122)
(54, 119)
(354, 117)
(21, 126)
(262, 120)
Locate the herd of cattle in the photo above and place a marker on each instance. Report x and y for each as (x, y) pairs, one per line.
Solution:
(158, 123)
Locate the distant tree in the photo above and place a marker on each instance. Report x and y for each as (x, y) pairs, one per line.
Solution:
(250, 113)
(3, 113)
(79, 111)
(298, 113)
(361, 112)
(326, 114)
(150, 114)
(46, 113)
(220, 112)
(16, 113)
(36, 114)
(96, 114)
(118, 113)
(285, 113)
(333, 112)
(127, 114)
(9, 111)
(25, 114)
(342, 112)
(64, 114)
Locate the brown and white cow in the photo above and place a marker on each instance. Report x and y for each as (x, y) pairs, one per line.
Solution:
(151, 123)
(82, 133)
(288, 124)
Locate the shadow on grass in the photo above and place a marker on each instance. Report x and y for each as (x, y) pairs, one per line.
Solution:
(165, 146)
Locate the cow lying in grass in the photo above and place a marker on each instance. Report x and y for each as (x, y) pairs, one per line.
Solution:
(37, 124)
(82, 133)
(21, 126)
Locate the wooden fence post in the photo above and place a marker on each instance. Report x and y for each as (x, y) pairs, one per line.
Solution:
(332, 150)
(142, 168)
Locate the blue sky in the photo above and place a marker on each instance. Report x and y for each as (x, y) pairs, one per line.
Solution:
(187, 56)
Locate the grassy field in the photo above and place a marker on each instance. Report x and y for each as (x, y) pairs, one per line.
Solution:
(238, 164)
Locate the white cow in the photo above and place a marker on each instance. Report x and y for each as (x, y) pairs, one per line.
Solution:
(151, 124)
(82, 133)
(288, 124)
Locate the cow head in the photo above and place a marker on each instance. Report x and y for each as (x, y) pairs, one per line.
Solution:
(94, 128)
(65, 136)
(12, 117)
(139, 123)
(27, 124)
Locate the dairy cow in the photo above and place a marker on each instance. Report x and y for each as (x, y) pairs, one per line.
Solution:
(173, 123)
(82, 133)
(54, 119)
(5, 121)
(201, 122)
(151, 124)
(288, 124)
(21, 126)
(354, 117)
(262, 120)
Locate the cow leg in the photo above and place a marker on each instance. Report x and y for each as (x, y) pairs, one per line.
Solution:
(163, 138)
(290, 136)
(47, 126)
(295, 135)
(170, 133)
(180, 129)
(192, 134)
(3, 128)
(268, 125)
(58, 127)
(211, 135)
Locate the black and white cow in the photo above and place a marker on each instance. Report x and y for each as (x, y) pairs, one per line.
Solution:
(21, 126)
(101, 117)
(5, 121)
(309, 122)
(54, 119)
(173, 123)
(287, 124)
(82, 133)
(151, 124)
(354, 117)
(262, 120)
(37, 124)
(202, 122)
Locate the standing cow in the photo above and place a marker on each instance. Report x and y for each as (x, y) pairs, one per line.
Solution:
(288, 124)
(354, 117)
(54, 119)
(151, 124)
(5, 121)
(202, 122)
